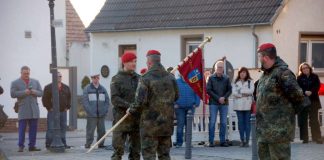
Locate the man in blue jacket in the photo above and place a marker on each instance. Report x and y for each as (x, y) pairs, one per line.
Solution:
(188, 101)
(95, 102)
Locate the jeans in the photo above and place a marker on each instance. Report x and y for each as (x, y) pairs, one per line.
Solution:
(32, 123)
(244, 125)
(92, 124)
(50, 127)
(181, 114)
(213, 109)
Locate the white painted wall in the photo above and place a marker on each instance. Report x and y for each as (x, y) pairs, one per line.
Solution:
(297, 16)
(237, 44)
(80, 58)
(15, 50)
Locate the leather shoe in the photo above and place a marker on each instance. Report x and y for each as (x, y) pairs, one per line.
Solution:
(102, 146)
(224, 144)
(21, 149)
(31, 149)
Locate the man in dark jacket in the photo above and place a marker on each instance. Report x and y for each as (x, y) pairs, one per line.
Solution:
(95, 101)
(65, 105)
(122, 89)
(219, 89)
(155, 96)
(188, 101)
(278, 93)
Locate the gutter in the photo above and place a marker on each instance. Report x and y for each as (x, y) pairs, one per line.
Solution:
(169, 28)
(256, 44)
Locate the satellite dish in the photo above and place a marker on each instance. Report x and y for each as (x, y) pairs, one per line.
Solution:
(229, 70)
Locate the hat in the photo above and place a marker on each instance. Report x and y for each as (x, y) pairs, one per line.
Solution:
(265, 46)
(143, 70)
(153, 52)
(94, 74)
(128, 56)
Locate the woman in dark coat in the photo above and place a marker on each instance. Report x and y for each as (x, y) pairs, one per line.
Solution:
(310, 84)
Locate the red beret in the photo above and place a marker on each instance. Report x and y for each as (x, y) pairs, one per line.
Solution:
(128, 56)
(143, 70)
(153, 52)
(265, 46)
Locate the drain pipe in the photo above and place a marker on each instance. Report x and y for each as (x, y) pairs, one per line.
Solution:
(256, 44)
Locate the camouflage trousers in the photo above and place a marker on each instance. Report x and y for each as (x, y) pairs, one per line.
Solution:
(152, 145)
(118, 142)
(274, 151)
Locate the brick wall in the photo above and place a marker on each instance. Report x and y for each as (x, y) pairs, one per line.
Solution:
(12, 125)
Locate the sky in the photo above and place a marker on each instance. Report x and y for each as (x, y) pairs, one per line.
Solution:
(87, 9)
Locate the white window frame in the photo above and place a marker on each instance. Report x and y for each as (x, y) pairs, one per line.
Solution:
(309, 55)
(189, 43)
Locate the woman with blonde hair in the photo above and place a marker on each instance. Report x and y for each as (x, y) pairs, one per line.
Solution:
(310, 84)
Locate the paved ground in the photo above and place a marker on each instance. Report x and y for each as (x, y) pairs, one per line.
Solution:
(76, 138)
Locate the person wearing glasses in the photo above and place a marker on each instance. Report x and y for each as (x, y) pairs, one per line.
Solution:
(26, 90)
(219, 89)
(65, 105)
(95, 101)
(310, 84)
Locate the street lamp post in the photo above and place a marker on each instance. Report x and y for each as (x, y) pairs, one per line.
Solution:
(56, 145)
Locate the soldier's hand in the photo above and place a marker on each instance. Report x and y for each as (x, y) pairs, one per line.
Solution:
(308, 93)
(127, 111)
(176, 106)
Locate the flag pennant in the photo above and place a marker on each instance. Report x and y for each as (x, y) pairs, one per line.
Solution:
(192, 72)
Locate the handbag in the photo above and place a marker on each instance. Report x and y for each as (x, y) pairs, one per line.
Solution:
(16, 107)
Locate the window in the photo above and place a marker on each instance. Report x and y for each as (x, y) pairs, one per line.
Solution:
(312, 51)
(189, 43)
(191, 46)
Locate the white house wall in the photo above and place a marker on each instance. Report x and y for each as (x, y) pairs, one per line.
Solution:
(80, 57)
(18, 16)
(297, 16)
(237, 44)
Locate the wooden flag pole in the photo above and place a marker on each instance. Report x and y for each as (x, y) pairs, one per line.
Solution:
(202, 44)
(108, 131)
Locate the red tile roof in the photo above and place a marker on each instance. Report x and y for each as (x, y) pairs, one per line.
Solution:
(74, 26)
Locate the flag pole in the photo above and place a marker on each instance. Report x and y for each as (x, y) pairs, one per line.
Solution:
(202, 44)
(108, 131)
(204, 88)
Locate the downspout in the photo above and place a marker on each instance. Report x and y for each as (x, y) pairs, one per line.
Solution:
(256, 44)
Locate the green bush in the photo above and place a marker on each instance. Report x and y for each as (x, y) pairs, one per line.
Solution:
(85, 82)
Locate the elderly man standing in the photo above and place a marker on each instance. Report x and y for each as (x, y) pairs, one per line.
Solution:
(278, 96)
(26, 90)
(95, 101)
(219, 89)
(155, 96)
(65, 105)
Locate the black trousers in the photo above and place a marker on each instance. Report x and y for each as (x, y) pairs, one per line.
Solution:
(312, 114)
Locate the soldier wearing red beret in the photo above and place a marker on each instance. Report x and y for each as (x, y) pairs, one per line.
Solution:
(123, 86)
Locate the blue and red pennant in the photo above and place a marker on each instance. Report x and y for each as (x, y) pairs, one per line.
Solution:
(192, 72)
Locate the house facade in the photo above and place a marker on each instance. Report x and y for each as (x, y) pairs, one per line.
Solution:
(237, 28)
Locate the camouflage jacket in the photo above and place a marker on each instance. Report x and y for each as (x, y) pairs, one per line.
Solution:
(122, 87)
(278, 92)
(155, 96)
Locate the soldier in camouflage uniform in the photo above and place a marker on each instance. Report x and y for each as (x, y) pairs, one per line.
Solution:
(278, 94)
(155, 96)
(123, 87)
